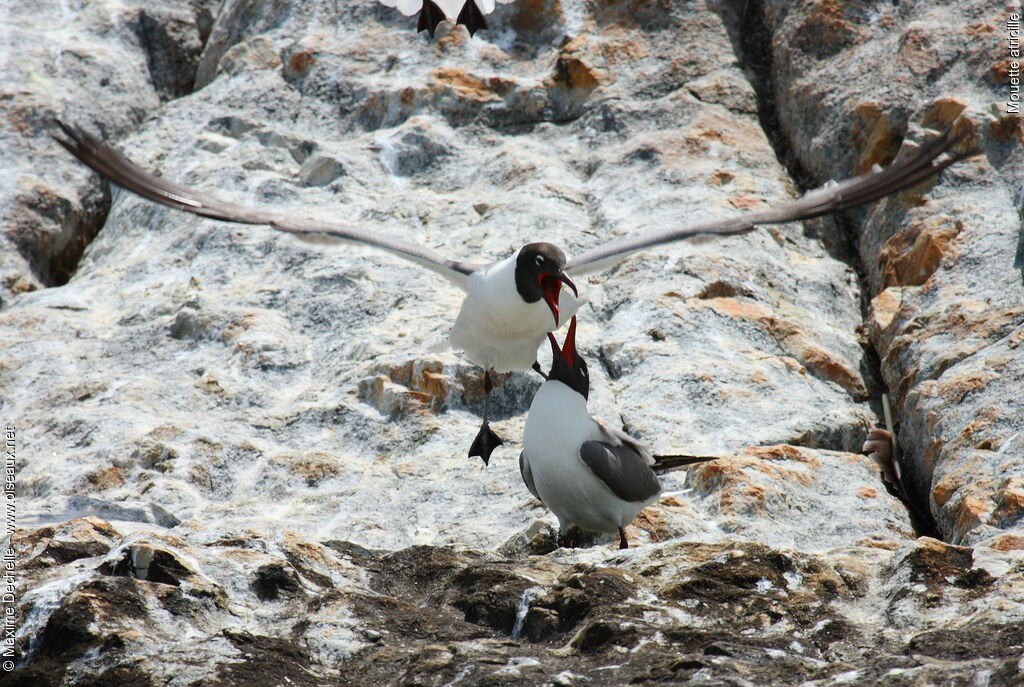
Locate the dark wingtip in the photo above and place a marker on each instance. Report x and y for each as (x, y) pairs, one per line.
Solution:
(70, 131)
(664, 463)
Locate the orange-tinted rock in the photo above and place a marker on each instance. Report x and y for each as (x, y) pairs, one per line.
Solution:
(301, 61)
(911, 256)
(942, 491)
(884, 307)
(1008, 127)
(746, 202)
(917, 52)
(795, 339)
(825, 28)
(393, 399)
(1009, 503)
(534, 16)
(652, 522)
(112, 476)
(943, 112)
(971, 513)
(20, 283)
(59, 544)
(875, 134)
(470, 86)
(955, 388)
(314, 466)
(1008, 542)
(1000, 71)
(575, 70)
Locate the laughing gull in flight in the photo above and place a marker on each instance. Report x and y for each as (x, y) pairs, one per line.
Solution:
(589, 475)
(513, 303)
(433, 12)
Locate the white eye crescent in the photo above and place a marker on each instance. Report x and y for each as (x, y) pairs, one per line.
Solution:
(539, 259)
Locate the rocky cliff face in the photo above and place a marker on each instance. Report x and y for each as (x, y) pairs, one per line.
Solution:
(242, 458)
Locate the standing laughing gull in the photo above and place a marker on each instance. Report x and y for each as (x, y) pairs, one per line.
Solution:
(513, 303)
(591, 476)
(433, 12)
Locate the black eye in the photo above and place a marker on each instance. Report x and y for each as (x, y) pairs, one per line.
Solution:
(539, 259)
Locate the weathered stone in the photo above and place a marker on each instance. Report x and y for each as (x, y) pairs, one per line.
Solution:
(943, 268)
(135, 54)
(289, 406)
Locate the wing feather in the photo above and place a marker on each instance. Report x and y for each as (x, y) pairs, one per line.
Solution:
(905, 172)
(623, 465)
(120, 170)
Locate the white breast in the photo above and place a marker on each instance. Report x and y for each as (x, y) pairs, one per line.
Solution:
(496, 328)
(556, 427)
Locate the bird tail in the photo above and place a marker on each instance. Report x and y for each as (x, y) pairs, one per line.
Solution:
(666, 463)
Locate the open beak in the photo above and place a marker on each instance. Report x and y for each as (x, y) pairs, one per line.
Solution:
(550, 287)
(568, 349)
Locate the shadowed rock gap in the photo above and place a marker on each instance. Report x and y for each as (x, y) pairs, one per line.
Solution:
(53, 261)
(173, 44)
(752, 41)
(172, 51)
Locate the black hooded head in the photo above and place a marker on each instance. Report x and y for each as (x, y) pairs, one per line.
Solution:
(540, 273)
(567, 365)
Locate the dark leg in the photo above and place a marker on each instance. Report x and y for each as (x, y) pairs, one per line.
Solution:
(565, 539)
(486, 440)
(623, 544)
(575, 538)
(536, 367)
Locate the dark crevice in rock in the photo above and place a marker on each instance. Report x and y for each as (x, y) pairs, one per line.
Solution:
(752, 41)
(53, 256)
(1018, 260)
(173, 43)
(920, 518)
(173, 46)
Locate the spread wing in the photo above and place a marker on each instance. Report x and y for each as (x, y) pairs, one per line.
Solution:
(117, 168)
(901, 174)
(622, 464)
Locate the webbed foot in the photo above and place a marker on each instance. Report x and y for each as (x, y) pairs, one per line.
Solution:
(485, 443)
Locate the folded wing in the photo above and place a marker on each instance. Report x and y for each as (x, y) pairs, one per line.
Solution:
(623, 465)
(527, 475)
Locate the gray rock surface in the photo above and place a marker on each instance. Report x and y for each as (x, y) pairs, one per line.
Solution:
(945, 278)
(279, 424)
(105, 63)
